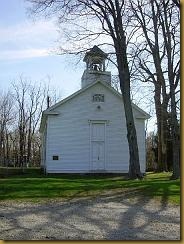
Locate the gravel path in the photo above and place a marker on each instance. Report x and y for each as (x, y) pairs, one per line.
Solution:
(109, 217)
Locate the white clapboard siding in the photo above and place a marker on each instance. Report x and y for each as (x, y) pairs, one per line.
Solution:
(68, 133)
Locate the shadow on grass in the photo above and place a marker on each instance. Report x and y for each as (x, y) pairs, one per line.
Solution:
(76, 186)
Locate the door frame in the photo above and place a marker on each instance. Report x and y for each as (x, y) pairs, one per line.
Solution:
(91, 123)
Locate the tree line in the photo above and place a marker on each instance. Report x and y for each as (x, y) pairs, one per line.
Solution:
(21, 108)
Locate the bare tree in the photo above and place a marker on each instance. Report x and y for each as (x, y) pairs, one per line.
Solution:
(36, 96)
(173, 64)
(158, 61)
(21, 98)
(177, 3)
(20, 114)
(6, 118)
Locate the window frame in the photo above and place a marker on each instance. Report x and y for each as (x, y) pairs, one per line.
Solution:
(98, 98)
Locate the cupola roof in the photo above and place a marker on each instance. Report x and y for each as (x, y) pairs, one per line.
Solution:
(95, 51)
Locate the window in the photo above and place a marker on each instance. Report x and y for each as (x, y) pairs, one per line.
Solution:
(98, 98)
(55, 157)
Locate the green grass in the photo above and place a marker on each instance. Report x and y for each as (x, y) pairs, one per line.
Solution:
(33, 186)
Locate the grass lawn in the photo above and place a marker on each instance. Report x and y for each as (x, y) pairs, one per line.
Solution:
(33, 186)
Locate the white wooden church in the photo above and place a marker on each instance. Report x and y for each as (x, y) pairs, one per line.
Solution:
(86, 132)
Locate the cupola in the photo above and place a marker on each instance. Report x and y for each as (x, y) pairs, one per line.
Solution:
(95, 67)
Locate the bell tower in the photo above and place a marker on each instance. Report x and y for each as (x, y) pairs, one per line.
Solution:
(95, 67)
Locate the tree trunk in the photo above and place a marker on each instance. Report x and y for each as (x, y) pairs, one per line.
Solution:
(124, 76)
(21, 145)
(1, 145)
(29, 142)
(164, 131)
(161, 112)
(158, 115)
(175, 137)
(7, 148)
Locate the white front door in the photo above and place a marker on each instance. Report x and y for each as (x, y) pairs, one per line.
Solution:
(98, 146)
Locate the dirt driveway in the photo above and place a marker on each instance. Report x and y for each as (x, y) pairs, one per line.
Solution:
(109, 217)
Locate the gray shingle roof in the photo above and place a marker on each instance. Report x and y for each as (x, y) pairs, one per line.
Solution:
(95, 51)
